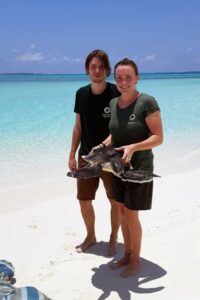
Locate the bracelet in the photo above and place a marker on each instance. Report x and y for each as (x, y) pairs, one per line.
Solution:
(102, 145)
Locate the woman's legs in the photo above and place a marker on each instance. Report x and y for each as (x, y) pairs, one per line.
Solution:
(132, 235)
(135, 235)
(127, 242)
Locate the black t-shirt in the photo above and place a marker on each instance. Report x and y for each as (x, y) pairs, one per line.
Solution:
(94, 114)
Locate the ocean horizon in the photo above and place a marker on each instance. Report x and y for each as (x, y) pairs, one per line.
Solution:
(37, 120)
(143, 75)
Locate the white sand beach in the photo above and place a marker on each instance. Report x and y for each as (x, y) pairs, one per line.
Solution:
(40, 225)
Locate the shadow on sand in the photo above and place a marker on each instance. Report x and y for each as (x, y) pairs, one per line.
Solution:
(110, 280)
(100, 249)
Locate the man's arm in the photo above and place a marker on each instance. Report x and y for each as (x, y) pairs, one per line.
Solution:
(76, 137)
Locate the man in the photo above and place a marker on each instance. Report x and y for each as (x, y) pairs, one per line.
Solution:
(90, 129)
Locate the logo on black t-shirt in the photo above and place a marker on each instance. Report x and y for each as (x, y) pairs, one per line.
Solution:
(106, 113)
(132, 117)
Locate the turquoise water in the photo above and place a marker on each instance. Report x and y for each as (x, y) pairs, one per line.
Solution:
(37, 119)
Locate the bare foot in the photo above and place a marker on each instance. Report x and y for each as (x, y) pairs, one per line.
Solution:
(122, 262)
(85, 245)
(131, 269)
(112, 247)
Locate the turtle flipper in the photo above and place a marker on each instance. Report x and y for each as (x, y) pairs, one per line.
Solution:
(140, 176)
(86, 172)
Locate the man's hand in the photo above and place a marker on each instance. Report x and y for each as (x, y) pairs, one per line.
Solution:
(72, 163)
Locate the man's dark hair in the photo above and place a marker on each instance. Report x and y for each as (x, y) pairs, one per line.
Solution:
(127, 62)
(102, 56)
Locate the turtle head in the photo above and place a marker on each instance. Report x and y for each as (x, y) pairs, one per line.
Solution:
(95, 157)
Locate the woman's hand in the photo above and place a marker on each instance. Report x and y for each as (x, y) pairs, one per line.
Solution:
(128, 152)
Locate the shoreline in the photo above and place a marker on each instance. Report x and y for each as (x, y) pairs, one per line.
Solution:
(44, 181)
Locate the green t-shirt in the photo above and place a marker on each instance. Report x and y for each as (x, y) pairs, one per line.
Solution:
(127, 126)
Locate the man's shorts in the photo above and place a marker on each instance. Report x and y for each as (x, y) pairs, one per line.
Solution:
(135, 196)
(86, 188)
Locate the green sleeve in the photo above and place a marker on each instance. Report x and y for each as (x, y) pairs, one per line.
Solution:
(150, 106)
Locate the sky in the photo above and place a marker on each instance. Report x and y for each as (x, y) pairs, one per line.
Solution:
(55, 36)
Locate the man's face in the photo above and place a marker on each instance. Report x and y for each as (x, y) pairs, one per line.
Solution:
(96, 70)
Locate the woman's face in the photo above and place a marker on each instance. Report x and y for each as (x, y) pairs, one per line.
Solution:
(126, 78)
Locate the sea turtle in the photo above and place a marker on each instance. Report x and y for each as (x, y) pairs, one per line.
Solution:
(108, 159)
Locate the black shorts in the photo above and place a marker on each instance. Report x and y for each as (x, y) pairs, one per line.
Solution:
(135, 196)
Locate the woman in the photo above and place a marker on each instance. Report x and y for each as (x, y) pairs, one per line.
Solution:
(135, 128)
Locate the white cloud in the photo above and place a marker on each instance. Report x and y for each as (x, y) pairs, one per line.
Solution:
(71, 59)
(166, 62)
(66, 58)
(33, 56)
(30, 56)
(53, 58)
(189, 49)
(32, 46)
(77, 60)
(150, 57)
